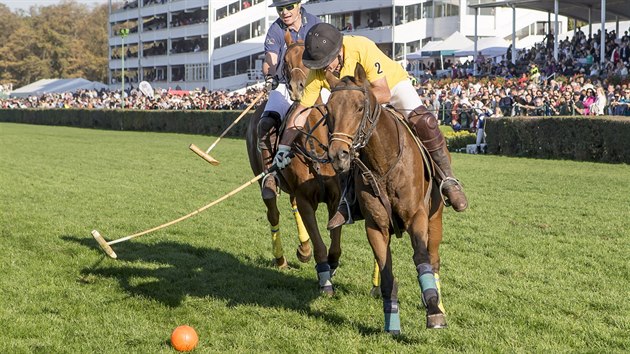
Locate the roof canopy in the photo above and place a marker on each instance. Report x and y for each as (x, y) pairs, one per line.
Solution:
(577, 9)
(56, 86)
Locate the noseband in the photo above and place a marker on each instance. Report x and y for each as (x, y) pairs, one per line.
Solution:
(366, 127)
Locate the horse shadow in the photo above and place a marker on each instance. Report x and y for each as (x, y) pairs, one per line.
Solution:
(187, 271)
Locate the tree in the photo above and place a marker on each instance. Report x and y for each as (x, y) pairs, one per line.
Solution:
(58, 41)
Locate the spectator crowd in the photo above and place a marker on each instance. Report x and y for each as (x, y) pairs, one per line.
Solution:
(537, 85)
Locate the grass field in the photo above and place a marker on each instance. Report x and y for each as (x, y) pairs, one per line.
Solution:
(539, 263)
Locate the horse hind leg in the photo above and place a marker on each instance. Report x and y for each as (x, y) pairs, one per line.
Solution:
(273, 217)
(375, 292)
(429, 285)
(304, 252)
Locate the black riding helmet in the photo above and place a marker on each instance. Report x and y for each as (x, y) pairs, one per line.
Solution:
(321, 46)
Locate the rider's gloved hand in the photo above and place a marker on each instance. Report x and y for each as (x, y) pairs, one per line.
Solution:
(271, 82)
(283, 156)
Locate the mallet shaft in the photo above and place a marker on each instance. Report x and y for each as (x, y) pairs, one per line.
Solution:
(105, 245)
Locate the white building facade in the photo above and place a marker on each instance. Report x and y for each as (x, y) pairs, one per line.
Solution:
(218, 44)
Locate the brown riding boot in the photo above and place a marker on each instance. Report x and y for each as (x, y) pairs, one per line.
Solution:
(341, 217)
(268, 187)
(450, 187)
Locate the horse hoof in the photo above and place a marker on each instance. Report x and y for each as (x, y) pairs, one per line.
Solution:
(303, 254)
(281, 263)
(327, 290)
(436, 321)
(395, 332)
(375, 292)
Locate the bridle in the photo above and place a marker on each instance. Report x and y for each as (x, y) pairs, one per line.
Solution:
(289, 73)
(366, 127)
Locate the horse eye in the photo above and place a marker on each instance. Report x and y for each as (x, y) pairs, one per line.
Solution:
(360, 109)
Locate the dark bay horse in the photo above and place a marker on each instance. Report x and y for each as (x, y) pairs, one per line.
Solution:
(308, 179)
(394, 188)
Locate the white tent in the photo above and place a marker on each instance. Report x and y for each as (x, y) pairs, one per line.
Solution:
(490, 47)
(56, 86)
(427, 48)
(454, 42)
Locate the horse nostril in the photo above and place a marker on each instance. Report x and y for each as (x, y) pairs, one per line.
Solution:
(344, 154)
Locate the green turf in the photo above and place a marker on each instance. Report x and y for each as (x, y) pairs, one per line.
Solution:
(539, 263)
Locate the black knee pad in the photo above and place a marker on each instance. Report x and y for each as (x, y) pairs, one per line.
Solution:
(426, 127)
(268, 126)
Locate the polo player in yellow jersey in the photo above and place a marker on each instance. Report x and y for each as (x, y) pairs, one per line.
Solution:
(326, 49)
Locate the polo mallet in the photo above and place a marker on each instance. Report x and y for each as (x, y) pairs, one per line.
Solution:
(204, 155)
(106, 246)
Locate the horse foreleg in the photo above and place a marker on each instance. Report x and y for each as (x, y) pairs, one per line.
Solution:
(273, 217)
(419, 231)
(334, 252)
(304, 252)
(389, 290)
(307, 210)
(435, 238)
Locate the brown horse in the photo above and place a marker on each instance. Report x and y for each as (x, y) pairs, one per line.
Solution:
(394, 188)
(309, 179)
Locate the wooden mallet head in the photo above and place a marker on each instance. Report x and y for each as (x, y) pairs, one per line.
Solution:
(103, 244)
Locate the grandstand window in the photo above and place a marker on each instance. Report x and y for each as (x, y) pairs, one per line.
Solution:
(483, 11)
(258, 28)
(227, 39)
(413, 12)
(450, 10)
(177, 73)
(337, 20)
(243, 65)
(427, 9)
(228, 69)
(439, 10)
(221, 13)
(243, 33)
(235, 7)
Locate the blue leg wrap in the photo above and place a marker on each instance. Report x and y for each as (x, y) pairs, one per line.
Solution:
(426, 279)
(323, 274)
(392, 317)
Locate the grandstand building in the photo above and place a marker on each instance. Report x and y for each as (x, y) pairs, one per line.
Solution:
(218, 44)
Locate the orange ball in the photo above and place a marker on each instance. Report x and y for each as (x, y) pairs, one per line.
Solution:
(184, 338)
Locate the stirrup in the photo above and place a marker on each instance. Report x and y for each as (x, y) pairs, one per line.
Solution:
(447, 203)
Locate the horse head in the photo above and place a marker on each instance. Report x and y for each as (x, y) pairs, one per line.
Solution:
(294, 70)
(349, 107)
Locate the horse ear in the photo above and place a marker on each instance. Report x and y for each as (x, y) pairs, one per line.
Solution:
(332, 79)
(359, 74)
(287, 38)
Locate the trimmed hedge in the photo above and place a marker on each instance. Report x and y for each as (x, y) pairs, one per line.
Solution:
(190, 122)
(600, 139)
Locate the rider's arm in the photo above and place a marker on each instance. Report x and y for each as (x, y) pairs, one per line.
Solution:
(269, 65)
(295, 121)
(380, 88)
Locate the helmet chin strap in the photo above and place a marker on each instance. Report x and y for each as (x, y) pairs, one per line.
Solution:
(337, 70)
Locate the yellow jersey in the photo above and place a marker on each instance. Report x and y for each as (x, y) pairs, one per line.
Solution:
(356, 49)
